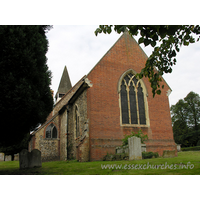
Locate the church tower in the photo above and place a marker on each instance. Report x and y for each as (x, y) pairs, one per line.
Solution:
(64, 86)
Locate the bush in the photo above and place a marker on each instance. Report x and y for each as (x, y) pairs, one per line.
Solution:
(146, 155)
(197, 148)
(139, 134)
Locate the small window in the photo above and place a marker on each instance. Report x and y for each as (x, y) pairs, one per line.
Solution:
(51, 131)
(61, 95)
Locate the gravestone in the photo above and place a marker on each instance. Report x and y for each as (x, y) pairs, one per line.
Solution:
(1, 156)
(24, 159)
(30, 159)
(122, 149)
(178, 147)
(8, 158)
(143, 146)
(134, 145)
(16, 157)
(35, 158)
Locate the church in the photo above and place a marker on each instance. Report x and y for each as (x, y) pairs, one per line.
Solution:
(91, 118)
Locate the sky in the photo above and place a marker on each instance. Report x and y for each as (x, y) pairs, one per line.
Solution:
(77, 48)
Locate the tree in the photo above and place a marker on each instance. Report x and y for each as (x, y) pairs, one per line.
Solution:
(25, 96)
(186, 120)
(180, 130)
(193, 109)
(166, 41)
(179, 111)
(14, 149)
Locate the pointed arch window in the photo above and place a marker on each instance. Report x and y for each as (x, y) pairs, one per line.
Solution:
(51, 131)
(132, 101)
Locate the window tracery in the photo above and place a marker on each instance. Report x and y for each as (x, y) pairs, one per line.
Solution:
(132, 101)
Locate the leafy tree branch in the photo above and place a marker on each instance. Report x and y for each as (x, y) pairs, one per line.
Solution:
(166, 41)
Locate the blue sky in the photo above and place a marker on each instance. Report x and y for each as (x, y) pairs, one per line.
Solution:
(77, 47)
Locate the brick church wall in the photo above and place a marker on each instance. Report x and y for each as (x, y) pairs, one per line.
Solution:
(103, 102)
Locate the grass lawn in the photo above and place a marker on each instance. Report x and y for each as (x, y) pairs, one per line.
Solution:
(187, 163)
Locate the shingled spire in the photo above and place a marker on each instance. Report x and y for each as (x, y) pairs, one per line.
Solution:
(64, 86)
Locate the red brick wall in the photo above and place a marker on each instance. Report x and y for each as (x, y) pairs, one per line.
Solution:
(103, 102)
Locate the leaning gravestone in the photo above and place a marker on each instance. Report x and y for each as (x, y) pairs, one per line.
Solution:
(30, 159)
(134, 145)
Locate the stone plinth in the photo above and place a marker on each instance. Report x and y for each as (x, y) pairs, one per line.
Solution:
(168, 154)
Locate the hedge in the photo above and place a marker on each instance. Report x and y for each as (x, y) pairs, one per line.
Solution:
(197, 148)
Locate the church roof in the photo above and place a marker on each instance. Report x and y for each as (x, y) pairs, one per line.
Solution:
(68, 98)
(65, 83)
